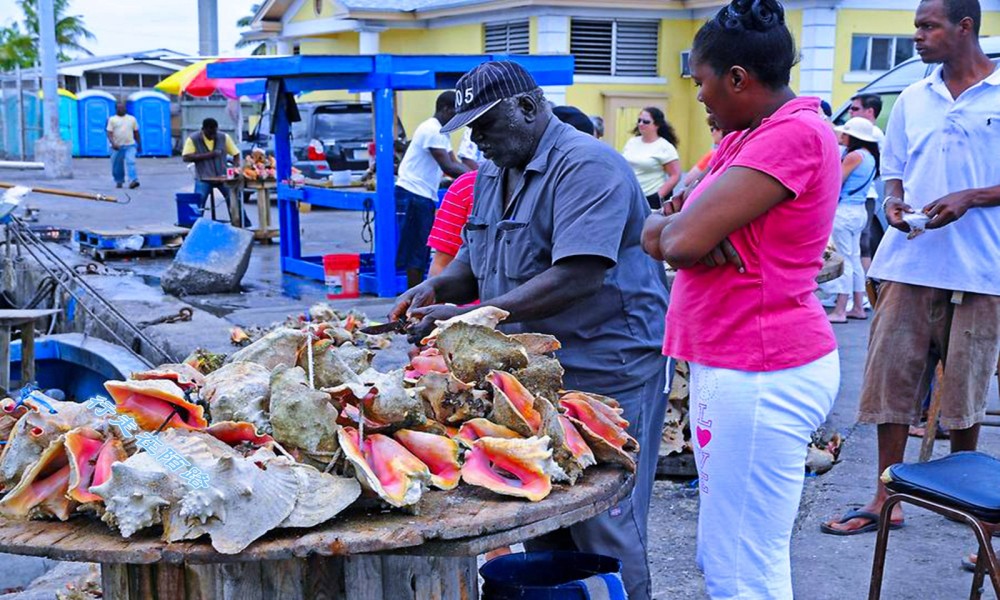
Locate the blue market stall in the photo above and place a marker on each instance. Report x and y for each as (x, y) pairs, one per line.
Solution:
(382, 75)
(152, 111)
(95, 107)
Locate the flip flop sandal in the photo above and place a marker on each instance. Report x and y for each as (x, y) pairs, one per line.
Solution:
(857, 514)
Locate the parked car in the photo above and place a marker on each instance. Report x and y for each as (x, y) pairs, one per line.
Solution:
(894, 81)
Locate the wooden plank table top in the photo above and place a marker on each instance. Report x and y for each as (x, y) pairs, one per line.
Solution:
(462, 522)
(14, 317)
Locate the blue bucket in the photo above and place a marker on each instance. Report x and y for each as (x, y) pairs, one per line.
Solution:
(188, 208)
(553, 576)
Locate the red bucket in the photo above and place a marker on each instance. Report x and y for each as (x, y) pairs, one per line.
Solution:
(341, 274)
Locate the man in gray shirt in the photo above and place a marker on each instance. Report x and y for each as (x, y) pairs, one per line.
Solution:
(554, 239)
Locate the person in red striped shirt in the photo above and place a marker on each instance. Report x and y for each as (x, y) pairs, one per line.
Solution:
(446, 234)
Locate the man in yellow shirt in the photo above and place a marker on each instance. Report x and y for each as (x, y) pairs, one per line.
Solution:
(210, 161)
(123, 135)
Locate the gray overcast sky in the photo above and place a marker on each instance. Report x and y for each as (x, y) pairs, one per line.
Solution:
(135, 25)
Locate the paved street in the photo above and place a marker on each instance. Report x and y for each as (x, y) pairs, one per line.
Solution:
(924, 555)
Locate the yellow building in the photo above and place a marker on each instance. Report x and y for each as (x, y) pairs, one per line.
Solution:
(629, 53)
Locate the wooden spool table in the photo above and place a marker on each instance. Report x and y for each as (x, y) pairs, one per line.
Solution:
(359, 555)
(25, 319)
(263, 232)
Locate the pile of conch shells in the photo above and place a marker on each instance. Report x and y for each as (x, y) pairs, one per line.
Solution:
(288, 436)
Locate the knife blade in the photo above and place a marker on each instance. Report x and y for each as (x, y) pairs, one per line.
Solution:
(391, 327)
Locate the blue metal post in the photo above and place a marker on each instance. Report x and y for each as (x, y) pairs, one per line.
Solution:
(288, 213)
(385, 200)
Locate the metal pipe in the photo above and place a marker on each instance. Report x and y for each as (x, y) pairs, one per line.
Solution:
(71, 194)
(20, 164)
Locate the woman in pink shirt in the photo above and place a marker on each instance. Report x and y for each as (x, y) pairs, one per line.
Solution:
(748, 243)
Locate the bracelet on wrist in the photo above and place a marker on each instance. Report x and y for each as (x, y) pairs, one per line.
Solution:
(885, 202)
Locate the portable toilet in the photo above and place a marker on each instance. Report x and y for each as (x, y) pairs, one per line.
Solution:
(152, 111)
(95, 107)
(32, 125)
(69, 124)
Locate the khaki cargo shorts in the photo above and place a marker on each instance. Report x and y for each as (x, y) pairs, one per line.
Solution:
(914, 326)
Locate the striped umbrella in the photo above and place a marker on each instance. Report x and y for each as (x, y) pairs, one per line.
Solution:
(194, 81)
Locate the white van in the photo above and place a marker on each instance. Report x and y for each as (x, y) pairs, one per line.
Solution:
(894, 81)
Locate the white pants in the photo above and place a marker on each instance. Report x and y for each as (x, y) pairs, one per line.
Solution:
(848, 224)
(751, 431)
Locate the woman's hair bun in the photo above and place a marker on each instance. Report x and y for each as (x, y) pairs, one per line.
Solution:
(752, 15)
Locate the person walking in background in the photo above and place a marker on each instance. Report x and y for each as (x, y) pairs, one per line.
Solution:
(123, 135)
(428, 155)
(939, 296)
(703, 163)
(869, 107)
(859, 168)
(748, 244)
(652, 154)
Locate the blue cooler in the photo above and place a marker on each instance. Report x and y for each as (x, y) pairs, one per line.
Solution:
(553, 576)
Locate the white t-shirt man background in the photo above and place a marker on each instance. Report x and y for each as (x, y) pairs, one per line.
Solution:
(419, 172)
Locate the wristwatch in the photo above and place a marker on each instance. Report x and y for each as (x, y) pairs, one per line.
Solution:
(887, 199)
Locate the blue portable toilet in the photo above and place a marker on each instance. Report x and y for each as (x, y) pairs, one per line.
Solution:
(69, 119)
(152, 111)
(95, 107)
(32, 125)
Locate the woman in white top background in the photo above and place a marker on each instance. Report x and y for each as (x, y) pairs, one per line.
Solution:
(652, 154)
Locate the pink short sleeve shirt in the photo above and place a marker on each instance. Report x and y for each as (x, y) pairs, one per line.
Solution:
(767, 318)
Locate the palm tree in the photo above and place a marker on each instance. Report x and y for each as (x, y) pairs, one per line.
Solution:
(20, 46)
(244, 23)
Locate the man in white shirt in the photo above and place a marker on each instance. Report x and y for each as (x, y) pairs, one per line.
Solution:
(123, 135)
(869, 107)
(428, 154)
(468, 152)
(940, 296)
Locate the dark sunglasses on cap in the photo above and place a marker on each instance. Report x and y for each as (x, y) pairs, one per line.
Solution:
(644, 121)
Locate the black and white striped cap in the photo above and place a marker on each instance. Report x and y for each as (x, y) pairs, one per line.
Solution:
(484, 87)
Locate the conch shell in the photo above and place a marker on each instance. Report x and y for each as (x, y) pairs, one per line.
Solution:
(35, 430)
(602, 427)
(90, 455)
(429, 360)
(385, 398)
(10, 412)
(513, 405)
(537, 343)
(239, 391)
(302, 417)
(514, 467)
(185, 376)
(321, 496)
(385, 467)
(472, 351)
(472, 430)
(42, 490)
(151, 402)
(449, 400)
(438, 452)
(484, 316)
(542, 377)
(279, 347)
(236, 433)
(333, 365)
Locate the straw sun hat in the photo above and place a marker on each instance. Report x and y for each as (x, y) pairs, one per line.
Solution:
(858, 127)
